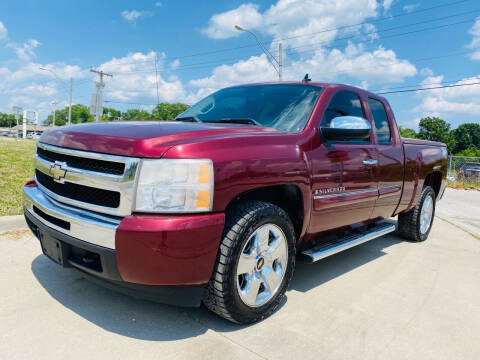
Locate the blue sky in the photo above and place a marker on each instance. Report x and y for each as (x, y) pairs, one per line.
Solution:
(193, 43)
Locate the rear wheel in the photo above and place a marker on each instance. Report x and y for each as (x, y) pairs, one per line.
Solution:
(415, 224)
(254, 265)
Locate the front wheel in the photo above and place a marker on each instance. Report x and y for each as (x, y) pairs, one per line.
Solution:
(254, 265)
(415, 224)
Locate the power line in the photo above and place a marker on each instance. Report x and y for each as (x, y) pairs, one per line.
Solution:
(390, 36)
(324, 30)
(313, 33)
(373, 20)
(330, 46)
(380, 92)
(425, 89)
(427, 84)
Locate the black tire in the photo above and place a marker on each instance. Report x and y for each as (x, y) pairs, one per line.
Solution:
(409, 222)
(221, 295)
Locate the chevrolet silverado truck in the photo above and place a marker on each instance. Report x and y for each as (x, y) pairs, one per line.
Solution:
(217, 205)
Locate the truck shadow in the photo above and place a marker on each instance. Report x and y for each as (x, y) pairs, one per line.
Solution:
(146, 320)
(308, 276)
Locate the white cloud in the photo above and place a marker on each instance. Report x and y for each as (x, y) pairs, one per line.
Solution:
(3, 31)
(221, 26)
(133, 15)
(25, 51)
(475, 44)
(380, 65)
(174, 64)
(447, 102)
(409, 8)
(318, 19)
(426, 71)
(158, 4)
(387, 4)
(290, 20)
(134, 79)
(254, 69)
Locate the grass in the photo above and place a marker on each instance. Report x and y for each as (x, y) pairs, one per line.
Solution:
(16, 167)
(463, 184)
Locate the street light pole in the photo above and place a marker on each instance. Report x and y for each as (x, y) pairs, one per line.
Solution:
(70, 97)
(54, 103)
(70, 103)
(279, 67)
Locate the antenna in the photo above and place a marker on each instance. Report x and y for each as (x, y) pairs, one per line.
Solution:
(306, 79)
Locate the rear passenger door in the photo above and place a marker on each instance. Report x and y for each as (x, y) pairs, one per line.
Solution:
(390, 157)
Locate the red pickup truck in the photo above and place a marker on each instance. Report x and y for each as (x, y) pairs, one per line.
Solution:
(217, 206)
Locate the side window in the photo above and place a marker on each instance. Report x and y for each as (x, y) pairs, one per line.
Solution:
(380, 120)
(343, 103)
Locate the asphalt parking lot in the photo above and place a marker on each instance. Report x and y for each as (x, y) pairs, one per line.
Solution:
(386, 299)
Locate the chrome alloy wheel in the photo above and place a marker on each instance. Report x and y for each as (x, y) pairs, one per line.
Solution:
(426, 214)
(262, 265)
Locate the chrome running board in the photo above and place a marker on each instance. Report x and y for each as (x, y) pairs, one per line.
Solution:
(324, 250)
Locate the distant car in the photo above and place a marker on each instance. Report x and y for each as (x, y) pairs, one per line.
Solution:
(4, 133)
(33, 136)
(470, 171)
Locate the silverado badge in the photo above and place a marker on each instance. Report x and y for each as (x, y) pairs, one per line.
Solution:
(336, 189)
(58, 171)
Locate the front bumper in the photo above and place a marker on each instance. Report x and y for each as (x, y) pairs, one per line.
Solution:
(161, 258)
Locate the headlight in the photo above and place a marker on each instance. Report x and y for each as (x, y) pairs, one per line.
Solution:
(175, 185)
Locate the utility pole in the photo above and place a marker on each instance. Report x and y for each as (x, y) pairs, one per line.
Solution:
(280, 61)
(99, 98)
(54, 104)
(70, 103)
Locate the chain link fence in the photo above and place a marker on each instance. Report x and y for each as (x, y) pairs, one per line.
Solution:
(464, 170)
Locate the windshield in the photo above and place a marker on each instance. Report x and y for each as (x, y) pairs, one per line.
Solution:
(283, 107)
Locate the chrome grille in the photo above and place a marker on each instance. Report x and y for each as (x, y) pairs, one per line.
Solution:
(98, 182)
(102, 166)
(77, 192)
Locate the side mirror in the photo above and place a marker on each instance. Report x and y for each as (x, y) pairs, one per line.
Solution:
(347, 128)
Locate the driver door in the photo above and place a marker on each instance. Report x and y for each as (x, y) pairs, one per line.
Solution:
(343, 172)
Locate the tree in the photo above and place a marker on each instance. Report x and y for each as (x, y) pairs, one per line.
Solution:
(436, 129)
(80, 114)
(110, 114)
(167, 111)
(136, 114)
(466, 136)
(407, 133)
(471, 151)
(8, 120)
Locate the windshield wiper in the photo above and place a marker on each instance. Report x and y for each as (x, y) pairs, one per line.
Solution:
(188, 119)
(248, 121)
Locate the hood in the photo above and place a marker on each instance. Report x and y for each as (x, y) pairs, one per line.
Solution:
(143, 138)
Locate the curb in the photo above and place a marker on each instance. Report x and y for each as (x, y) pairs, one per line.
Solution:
(12, 223)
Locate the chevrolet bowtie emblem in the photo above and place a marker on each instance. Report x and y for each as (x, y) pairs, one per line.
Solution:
(58, 171)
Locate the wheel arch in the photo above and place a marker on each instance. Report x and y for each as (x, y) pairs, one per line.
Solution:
(289, 197)
(434, 180)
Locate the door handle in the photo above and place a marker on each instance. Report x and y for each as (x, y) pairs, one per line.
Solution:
(371, 162)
